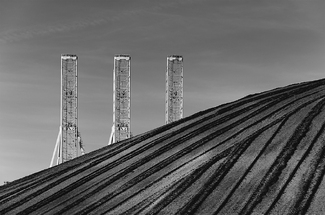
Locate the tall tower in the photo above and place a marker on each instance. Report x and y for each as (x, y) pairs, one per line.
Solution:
(174, 89)
(121, 99)
(69, 144)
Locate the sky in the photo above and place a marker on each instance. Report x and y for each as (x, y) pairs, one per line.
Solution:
(231, 48)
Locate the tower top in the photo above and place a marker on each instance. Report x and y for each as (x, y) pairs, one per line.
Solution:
(122, 57)
(175, 57)
(69, 56)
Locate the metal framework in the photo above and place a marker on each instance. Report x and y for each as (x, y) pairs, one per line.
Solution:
(69, 143)
(174, 89)
(121, 128)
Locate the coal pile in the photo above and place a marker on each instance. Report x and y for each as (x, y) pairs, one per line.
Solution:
(262, 154)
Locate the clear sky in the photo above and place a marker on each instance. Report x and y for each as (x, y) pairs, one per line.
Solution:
(231, 48)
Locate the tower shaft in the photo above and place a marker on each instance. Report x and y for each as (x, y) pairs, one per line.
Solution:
(69, 107)
(121, 98)
(174, 89)
(69, 144)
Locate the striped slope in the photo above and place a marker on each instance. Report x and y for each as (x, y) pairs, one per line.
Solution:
(262, 154)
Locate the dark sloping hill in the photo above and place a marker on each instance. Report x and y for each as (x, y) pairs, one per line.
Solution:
(262, 154)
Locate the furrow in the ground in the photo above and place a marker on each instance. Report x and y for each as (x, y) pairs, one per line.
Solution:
(29, 182)
(192, 206)
(194, 203)
(30, 186)
(281, 161)
(201, 173)
(313, 180)
(53, 184)
(65, 179)
(306, 153)
(173, 144)
(93, 162)
(174, 173)
(159, 152)
(146, 202)
(225, 201)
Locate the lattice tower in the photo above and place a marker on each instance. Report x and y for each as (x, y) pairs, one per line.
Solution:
(174, 89)
(121, 129)
(69, 143)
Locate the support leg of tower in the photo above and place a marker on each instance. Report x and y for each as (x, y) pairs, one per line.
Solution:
(111, 138)
(81, 145)
(56, 150)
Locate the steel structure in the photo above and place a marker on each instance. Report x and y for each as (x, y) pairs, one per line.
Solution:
(174, 89)
(121, 128)
(69, 143)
